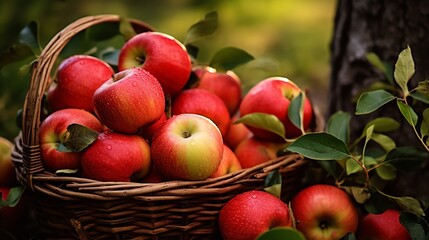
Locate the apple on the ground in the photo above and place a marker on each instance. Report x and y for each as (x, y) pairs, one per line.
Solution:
(384, 226)
(229, 163)
(252, 213)
(205, 103)
(131, 99)
(187, 147)
(226, 85)
(53, 132)
(253, 151)
(324, 212)
(160, 54)
(273, 96)
(7, 169)
(77, 78)
(116, 157)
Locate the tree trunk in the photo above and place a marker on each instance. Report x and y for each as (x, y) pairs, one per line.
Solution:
(384, 27)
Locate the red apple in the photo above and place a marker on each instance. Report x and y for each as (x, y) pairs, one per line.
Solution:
(229, 163)
(253, 151)
(131, 99)
(53, 132)
(116, 157)
(226, 85)
(7, 170)
(160, 54)
(324, 212)
(77, 78)
(252, 213)
(187, 147)
(237, 133)
(273, 96)
(384, 226)
(205, 103)
(153, 176)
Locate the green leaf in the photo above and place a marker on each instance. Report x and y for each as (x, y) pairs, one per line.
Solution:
(339, 126)
(295, 111)
(192, 51)
(13, 197)
(420, 97)
(377, 63)
(281, 233)
(371, 101)
(320, 146)
(361, 195)
(29, 36)
(404, 69)
(110, 55)
(126, 29)
(103, 31)
(378, 203)
(332, 167)
(273, 183)
(349, 236)
(406, 158)
(14, 53)
(424, 127)
(352, 166)
(229, 58)
(202, 28)
(408, 113)
(386, 172)
(383, 124)
(409, 204)
(264, 121)
(384, 141)
(79, 137)
(66, 171)
(423, 87)
(415, 225)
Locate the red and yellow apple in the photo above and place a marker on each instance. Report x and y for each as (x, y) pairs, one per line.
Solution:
(273, 96)
(160, 54)
(77, 78)
(187, 147)
(384, 226)
(7, 169)
(253, 151)
(324, 212)
(225, 85)
(116, 157)
(252, 213)
(131, 99)
(53, 132)
(229, 163)
(205, 103)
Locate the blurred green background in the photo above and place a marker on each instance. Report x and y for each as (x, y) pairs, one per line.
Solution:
(288, 38)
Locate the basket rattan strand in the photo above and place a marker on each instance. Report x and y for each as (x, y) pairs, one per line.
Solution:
(68, 207)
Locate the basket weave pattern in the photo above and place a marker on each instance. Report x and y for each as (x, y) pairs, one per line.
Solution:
(79, 208)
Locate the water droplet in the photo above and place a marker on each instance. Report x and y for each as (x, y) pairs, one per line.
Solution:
(109, 147)
(134, 84)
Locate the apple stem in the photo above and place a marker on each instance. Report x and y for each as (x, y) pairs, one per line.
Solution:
(140, 59)
(186, 134)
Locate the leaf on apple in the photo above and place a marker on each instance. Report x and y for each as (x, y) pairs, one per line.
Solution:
(273, 183)
(281, 233)
(339, 126)
(79, 137)
(415, 225)
(13, 197)
(404, 69)
(264, 121)
(320, 146)
(371, 101)
(202, 28)
(229, 58)
(296, 111)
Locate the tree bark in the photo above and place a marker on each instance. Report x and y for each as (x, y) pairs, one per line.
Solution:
(384, 27)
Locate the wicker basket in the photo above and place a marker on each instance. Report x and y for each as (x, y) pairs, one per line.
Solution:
(78, 208)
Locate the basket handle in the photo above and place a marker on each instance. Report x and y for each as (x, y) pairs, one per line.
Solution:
(41, 79)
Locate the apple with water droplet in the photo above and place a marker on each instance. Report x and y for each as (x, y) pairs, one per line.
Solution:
(273, 96)
(131, 99)
(116, 157)
(53, 132)
(160, 54)
(77, 78)
(249, 214)
(324, 212)
(187, 147)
